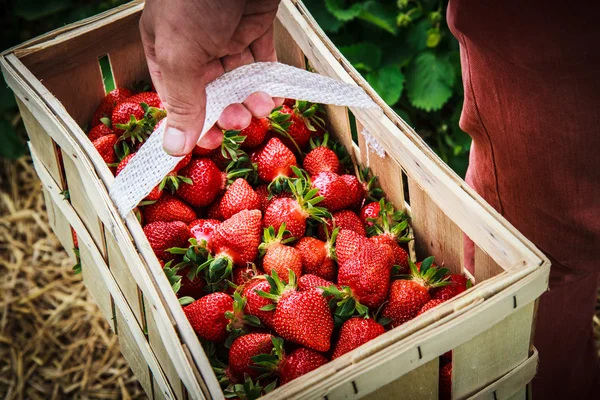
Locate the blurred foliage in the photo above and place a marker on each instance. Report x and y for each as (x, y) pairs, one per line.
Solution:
(22, 20)
(402, 47)
(406, 52)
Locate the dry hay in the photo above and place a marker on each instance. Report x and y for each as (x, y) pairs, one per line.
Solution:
(54, 342)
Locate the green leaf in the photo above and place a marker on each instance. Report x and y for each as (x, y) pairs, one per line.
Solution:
(429, 81)
(379, 15)
(416, 35)
(12, 145)
(184, 301)
(388, 82)
(363, 56)
(342, 11)
(326, 20)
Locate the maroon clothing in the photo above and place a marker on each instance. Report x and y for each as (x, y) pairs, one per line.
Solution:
(531, 74)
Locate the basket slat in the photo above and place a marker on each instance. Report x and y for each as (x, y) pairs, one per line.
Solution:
(93, 279)
(419, 384)
(128, 63)
(60, 226)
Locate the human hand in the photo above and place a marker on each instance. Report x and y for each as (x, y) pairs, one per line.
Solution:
(189, 44)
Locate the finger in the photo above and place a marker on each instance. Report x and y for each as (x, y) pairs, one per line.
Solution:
(211, 139)
(260, 104)
(150, 53)
(237, 60)
(263, 48)
(234, 117)
(278, 101)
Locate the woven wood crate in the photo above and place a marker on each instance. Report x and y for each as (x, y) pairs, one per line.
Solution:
(58, 84)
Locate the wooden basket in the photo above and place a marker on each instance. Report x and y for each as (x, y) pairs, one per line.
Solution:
(58, 84)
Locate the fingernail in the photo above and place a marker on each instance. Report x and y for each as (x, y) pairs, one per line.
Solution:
(174, 141)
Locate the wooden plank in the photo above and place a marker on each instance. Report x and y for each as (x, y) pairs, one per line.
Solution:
(59, 224)
(288, 52)
(124, 278)
(162, 355)
(338, 124)
(419, 384)
(94, 282)
(485, 266)
(48, 150)
(128, 63)
(492, 354)
(435, 233)
(132, 354)
(79, 192)
(87, 78)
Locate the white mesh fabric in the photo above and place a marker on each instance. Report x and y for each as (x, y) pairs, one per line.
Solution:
(151, 163)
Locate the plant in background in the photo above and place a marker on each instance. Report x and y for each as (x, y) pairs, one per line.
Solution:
(406, 52)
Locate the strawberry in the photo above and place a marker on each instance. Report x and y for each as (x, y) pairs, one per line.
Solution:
(458, 284)
(239, 196)
(446, 382)
(371, 210)
(354, 333)
(165, 235)
(190, 287)
(183, 163)
(74, 236)
(356, 192)
(207, 316)
(150, 98)
(277, 256)
(105, 108)
(400, 255)
(429, 305)
(296, 210)
(321, 158)
(243, 349)
(301, 361)
(367, 273)
(206, 182)
(255, 133)
(333, 189)
(309, 281)
(363, 188)
(242, 275)
(204, 153)
(317, 257)
(168, 208)
(98, 131)
(389, 222)
(122, 113)
(344, 219)
(347, 244)
(275, 160)
(106, 147)
(214, 210)
(297, 124)
(300, 317)
(202, 229)
(408, 296)
(255, 302)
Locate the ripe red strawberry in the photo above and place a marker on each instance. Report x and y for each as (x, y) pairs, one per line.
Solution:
(106, 147)
(202, 229)
(367, 273)
(370, 210)
(389, 222)
(292, 124)
(204, 153)
(310, 281)
(150, 98)
(300, 317)
(344, 219)
(105, 108)
(400, 255)
(356, 191)
(458, 284)
(317, 257)
(275, 160)
(190, 287)
(321, 158)
(239, 196)
(206, 182)
(255, 302)
(121, 114)
(354, 333)
(98, 131)
(407, 297)
(207, 316)
(262, 191)
(242, 275)
(237, 238)
(446, 382)
(74, 236)
(333, 189)
(243, 349)
(347, 245)
(429, 305)
(168, 208)
(277, 256)
(301, 361)
(182, 163)
(214, 210)
(255, 133)
(165, 235)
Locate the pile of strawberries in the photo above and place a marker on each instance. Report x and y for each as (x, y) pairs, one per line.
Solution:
(282, 257)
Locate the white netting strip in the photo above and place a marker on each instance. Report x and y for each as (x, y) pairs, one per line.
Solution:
(372, 144)
(151, 163)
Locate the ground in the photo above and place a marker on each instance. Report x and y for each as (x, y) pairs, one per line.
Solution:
(54, 343)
